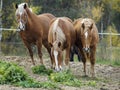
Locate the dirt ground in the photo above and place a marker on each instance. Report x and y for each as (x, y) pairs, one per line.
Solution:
(107, 77)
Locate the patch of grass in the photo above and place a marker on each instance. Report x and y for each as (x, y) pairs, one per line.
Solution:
(41, 69)
(76, 58)
(91, 83)
(15, 75)
(11, 73)
(116, 63)
(109, 62)
(34, 84)
(65, 77)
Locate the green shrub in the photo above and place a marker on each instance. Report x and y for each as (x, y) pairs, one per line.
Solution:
(3, 67)
(11, 73)
(15, 74)
(61, 76)
(65, 77)
(91, 83)
(41, 69)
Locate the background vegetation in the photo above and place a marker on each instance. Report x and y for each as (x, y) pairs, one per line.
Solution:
(106, 14)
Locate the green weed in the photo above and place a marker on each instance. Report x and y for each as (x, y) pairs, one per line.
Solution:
(41, 69)
(11, 73)
(15, 75)
(65, 77)
(34, 84)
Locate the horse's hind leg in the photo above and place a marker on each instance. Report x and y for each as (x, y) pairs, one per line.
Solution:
(39, 46)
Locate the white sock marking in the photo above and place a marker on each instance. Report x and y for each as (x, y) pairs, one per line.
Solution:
(56, 60)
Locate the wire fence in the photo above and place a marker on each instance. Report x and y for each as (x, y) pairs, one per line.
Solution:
(105, 50)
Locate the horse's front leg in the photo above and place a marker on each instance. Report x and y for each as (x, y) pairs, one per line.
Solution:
(92, 60)
(83, 57)
(67, 57)
(39, 47)
(50, 51)
(30, 51)
(60, 61)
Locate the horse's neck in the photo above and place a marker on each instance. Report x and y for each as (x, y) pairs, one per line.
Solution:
(30, 13)
(31, 17)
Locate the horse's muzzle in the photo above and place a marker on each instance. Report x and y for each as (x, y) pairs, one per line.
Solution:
(87, 50)
(21, 29)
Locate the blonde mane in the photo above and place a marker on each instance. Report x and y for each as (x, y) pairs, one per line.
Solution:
(57, 32)
(87, 22)
(20, 9)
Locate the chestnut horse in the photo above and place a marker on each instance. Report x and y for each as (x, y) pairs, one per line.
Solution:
(61, 37)
(33, 29)
(87, 39)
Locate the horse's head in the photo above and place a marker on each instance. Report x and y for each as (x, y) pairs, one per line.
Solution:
(21, 15)
(86, 31)
(57, 55)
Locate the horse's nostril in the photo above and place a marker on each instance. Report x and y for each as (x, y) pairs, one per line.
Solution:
(86, 50)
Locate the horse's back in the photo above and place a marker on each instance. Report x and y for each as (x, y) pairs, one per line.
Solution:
(67, 28)
(49, 15)
(45, 20)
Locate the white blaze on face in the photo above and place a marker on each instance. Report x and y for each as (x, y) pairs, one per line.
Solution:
(21, 8)
(21, 25)
(56, 59)
(86, 34)
(20, 11)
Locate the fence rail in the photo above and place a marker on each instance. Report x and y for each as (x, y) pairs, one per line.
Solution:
(105, 50)
(7, 29)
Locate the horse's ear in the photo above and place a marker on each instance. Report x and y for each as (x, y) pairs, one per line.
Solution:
(25, 6)
(91, 26)
(16, 6)
(83, 26)
(59, 44)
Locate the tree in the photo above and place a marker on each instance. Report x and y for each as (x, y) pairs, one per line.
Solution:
(112, 38)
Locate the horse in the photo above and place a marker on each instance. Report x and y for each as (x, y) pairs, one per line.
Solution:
(33, 29)
(74, 50)
(61, 37)
(87, 38)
